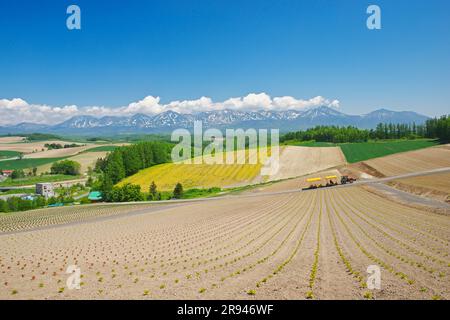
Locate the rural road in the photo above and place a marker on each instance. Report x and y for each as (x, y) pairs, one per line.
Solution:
(357, 183)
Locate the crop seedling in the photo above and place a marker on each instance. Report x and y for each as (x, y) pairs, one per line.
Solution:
(368, 295)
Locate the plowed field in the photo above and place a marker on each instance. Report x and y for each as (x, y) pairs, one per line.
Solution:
(315, 244)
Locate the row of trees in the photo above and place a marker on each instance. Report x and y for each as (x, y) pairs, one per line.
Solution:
(52, 146)
(13, 204)
(397, 131)
(433, 128)
(129, 192)
(128, 160)
(20, 174)
(66, 167)
(333, 134)
(438, 128)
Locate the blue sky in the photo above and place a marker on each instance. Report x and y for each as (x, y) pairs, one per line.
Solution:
(183, 50)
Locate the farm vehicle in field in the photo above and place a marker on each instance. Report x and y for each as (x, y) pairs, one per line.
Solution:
(347, 179)
(328, 181)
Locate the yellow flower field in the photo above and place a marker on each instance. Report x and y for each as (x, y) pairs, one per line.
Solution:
(167, 175)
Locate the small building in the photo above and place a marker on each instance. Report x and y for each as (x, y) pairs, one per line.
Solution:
(29, 197)
(6, 173)
(45, 189)
(95, 196)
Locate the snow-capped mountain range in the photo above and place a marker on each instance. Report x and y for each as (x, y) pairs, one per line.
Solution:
(170, 120)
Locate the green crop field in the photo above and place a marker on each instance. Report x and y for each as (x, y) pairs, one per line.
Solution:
(355, 152)
(102, 149)
(4, 154)
(26, 163)
(311, 143)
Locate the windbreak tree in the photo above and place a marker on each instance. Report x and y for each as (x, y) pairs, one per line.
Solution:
(18, 174)
(178, 191)
(153, 191)
(128, 160)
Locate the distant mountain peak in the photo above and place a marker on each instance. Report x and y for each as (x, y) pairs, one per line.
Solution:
(287, 120)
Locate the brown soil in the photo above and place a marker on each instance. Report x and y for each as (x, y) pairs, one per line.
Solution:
(315, 244)
(300, 161)
(355, 169)
(413, 161)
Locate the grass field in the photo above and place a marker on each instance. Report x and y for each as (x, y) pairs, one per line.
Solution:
(38, 179)
(18, 191)
(102, 149)
(355, 152)
(8, 154)
(26, 163)
(192, 193)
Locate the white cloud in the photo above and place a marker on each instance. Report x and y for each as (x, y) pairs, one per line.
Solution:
(148, 105)
(17, 110)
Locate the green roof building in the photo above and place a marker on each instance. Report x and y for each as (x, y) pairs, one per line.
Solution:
(95, 196)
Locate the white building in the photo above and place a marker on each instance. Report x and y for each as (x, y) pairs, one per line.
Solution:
(45, 189)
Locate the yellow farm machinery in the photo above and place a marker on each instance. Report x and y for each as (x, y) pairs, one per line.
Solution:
(328, 181)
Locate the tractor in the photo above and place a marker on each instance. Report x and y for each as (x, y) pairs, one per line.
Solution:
(347, 179)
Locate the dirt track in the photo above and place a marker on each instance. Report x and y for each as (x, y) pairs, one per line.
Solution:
(226, 248)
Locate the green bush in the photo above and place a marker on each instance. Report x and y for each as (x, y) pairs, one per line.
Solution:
(18, 174)
(67, 167)
(125, 193)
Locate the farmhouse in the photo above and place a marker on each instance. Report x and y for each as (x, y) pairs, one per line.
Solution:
(6, 173)
(45, 189)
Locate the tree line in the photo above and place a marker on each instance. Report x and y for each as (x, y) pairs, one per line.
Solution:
(437, 128)
(51, 146)
(128, 160)
(130, 192)
(66, 167)
(14, 204)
